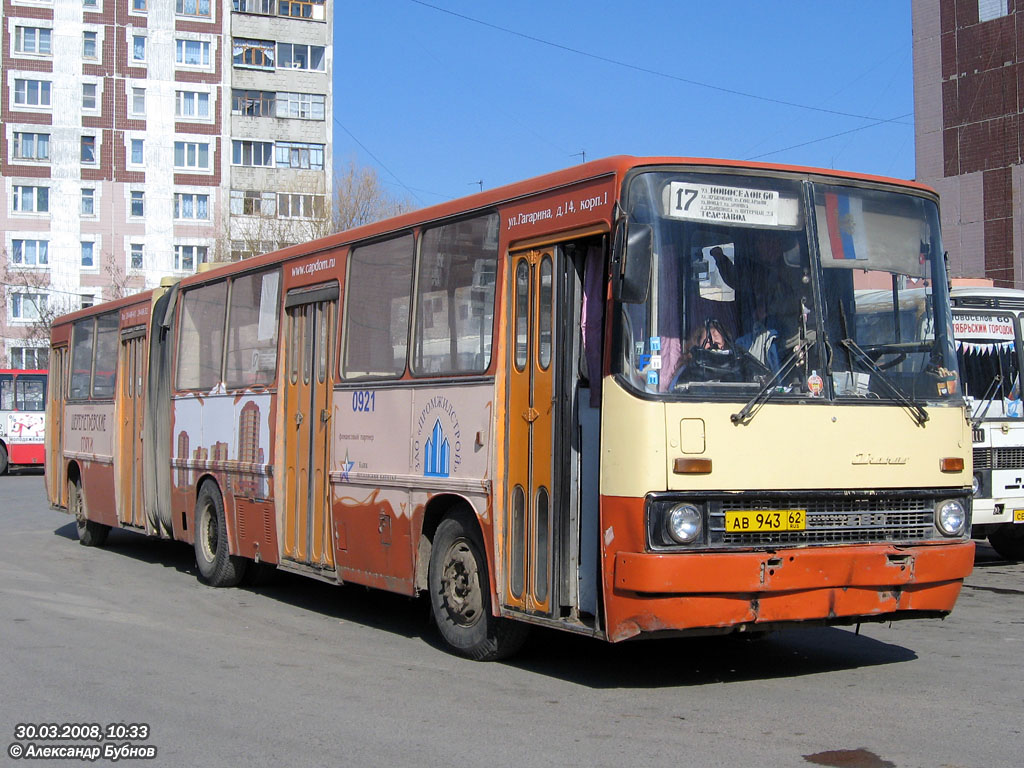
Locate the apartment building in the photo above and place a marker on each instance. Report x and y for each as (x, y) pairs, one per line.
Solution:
(968, 103)
(142, 138)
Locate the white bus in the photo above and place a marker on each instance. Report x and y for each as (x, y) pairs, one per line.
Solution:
(987, 328)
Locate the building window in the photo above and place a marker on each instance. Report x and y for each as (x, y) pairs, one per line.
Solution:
(31, 93)
(191, 104)
(88, 150)
(265, 7)
(187, 257)
(28, 306)
(139, 5)
(138, 203)
(88, 45)
(300, 56)
(138, 151)
(252, 202)
(136, 256)
(192, 53)
(298, 206)
(252, 153)
(86, 300)
(991, 9)
(252, 103)
(88, 96)
(192, 7)
(253, 53)
(138, 101)
(192, 155)
(89, 4)
(88, 201)
(88, 248)
(30, 253)
(191, 206)
(138, 47)
(307, 106)
(34, 40)
(31, 146)
(291, 154)
(30, 358)
(28, 199)
(301, 9)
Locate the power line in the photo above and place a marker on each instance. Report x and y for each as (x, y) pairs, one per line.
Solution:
(377, 160)
(646, 70)
(826, 138)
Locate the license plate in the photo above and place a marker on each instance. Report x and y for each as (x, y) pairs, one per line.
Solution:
(1018, 515)
(766, 520)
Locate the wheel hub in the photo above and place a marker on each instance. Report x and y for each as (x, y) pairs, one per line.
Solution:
(460, 585)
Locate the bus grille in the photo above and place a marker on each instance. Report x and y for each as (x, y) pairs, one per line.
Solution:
(983, 458)
(999, 458)
(835, 521)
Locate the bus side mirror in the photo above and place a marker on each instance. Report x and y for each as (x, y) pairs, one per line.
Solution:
(632, 253)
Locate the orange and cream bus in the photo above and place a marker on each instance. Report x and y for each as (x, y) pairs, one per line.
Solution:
(632, 398)
(22, 418)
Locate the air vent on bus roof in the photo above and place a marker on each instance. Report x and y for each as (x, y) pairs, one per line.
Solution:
(989, 302)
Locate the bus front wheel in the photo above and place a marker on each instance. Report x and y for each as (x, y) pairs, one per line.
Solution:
(90, 533)
(460, 595)
(1008, 541)
(217, 567)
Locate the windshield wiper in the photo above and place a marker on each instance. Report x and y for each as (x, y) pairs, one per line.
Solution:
(919, 414)
(765, 393)
(986, 400)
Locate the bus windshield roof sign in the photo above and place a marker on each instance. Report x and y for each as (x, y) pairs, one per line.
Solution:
(719, 203)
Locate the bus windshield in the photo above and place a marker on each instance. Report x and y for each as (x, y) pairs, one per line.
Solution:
(750, 291)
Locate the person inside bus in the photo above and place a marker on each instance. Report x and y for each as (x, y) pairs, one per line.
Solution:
(707, 355)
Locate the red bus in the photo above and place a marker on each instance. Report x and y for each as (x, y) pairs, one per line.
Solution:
(22, 418)
(637, 397)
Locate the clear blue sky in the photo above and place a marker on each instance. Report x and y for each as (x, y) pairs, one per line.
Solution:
(435, 100)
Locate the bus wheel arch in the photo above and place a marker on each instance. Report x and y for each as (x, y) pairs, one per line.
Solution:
(214, 561)
(458, 583)
(90, 533)
(1008, 541)
(3, 458)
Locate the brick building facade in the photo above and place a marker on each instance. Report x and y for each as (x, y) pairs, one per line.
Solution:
(968, 99)
(142, 138)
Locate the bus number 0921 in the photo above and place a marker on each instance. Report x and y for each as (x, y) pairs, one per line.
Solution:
(363, 401)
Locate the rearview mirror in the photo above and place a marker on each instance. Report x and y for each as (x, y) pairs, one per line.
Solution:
(632, 254)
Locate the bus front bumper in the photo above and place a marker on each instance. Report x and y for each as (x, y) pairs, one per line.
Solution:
(657, 592)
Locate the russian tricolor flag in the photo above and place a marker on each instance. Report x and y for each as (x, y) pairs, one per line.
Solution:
(845, 218)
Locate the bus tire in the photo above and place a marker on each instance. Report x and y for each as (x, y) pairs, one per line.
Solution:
(460, 596)
(3, 459)
(217, 567)
(1008, 541)
(90, 533)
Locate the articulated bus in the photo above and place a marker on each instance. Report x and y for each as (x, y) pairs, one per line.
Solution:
(22, 418)
(988, 331)
(634, 398)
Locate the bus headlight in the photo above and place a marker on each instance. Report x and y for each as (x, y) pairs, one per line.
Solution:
(976, 485)
(683, 523)
(950, 517)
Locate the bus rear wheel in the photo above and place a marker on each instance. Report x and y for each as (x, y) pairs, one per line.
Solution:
(3, 459)
(90, 533)
(1008, 541)
(217, 567)
(460, 595)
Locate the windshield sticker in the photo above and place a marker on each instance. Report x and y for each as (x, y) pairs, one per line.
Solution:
(844, 218)
(815, 384)
(652, 378)
(714, 202)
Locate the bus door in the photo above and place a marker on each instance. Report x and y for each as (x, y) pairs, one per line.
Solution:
(56, 479)
(131, 404)
(533, 510)
(309, 349)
